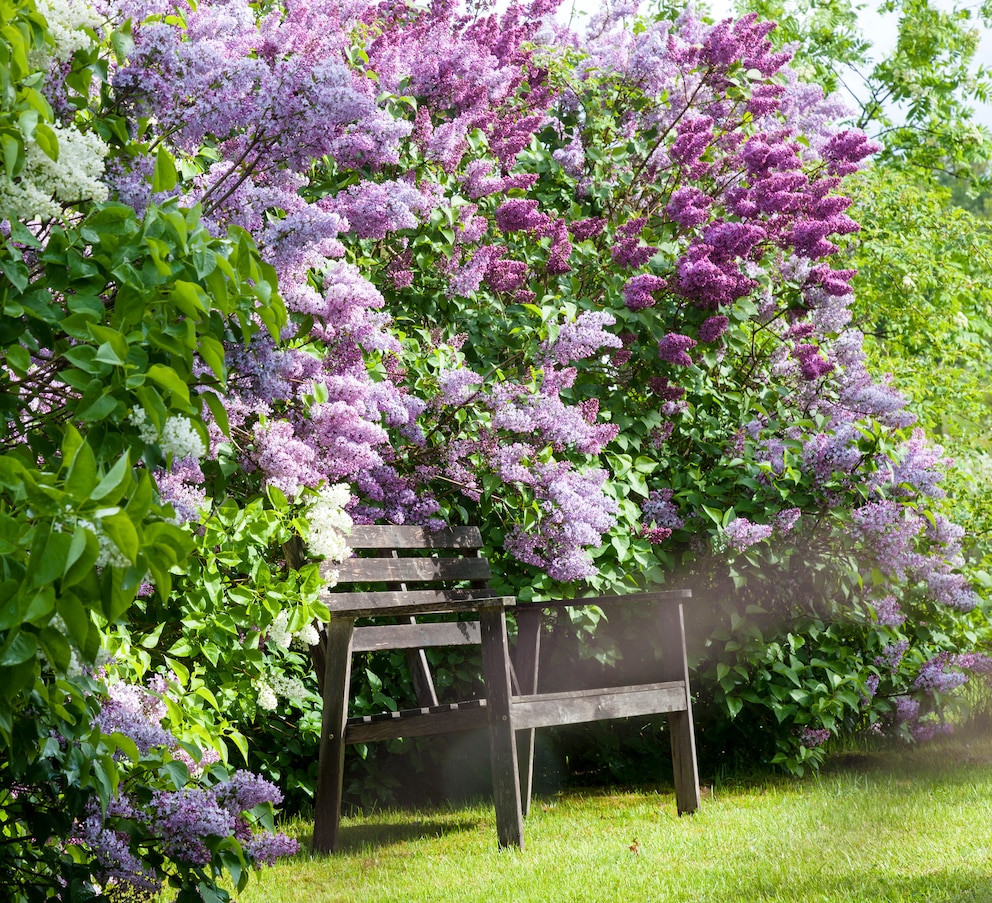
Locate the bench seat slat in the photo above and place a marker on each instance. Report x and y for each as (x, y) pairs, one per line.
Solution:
(412, 602)
(463, 716)
(547, 709)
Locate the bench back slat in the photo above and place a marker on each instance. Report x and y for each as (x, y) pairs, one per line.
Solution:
(392, 537)
(416, 636)
(411, 570)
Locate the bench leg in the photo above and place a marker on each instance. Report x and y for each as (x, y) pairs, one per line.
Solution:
(680, 723)
(330, 776)
(502, 737)
(526, 662)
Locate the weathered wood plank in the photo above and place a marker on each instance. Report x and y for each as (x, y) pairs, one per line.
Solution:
(416, 636)
(427, 601)
(408, 570)
(330, 773)
(547, 709)
(680, 728)
(502, 735)
(655, 597)
(392, 537)
(526, 658)
(418, 723)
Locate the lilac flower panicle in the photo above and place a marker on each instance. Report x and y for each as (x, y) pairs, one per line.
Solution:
(638, 291)
(892, 656)
(888, 611)
(742, 533)
(674, 348)
(583, 337)
(812, 737)
(660, 510)
(712, 328)
(933, 676)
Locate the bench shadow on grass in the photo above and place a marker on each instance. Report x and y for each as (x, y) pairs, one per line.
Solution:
(355, 838)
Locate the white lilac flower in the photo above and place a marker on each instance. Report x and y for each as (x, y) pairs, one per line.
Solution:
(308, 636)
(44, 184)
(180, 440)
(279, 632)
(66, 21)
(289, 687)
(266, 697)
(330, 523)
(146, 429)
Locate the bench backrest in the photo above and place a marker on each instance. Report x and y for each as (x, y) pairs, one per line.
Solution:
(410, 569)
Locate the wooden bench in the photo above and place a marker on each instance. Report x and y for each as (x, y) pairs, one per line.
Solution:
(416, 573)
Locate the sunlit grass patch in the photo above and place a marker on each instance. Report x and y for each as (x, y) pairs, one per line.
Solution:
(900, 827)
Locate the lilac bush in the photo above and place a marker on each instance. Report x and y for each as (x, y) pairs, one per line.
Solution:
(626, 356)
(587, 291)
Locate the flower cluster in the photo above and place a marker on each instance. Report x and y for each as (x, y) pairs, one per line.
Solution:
(177, 822)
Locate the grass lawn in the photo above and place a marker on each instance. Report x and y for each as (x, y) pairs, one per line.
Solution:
(913, 825)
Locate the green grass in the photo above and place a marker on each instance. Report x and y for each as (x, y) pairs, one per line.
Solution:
(898, 827)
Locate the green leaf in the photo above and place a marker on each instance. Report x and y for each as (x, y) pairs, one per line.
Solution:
(76, 618)
(23, 647)
(168, 379)
(47, 140)
(18, 359)
(164, 177)
(100, 409)
(84, 550)
(123, 534)
(112, 486)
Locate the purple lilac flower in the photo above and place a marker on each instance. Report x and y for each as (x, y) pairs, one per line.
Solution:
(584, 229)
(373, 209)
(583, 337)
(787, 519)
(976, 662)
(742, 533)
(267, 848)
(688, 206)
(811, 737)
(673, 348)
(933, 676)
(871, 687)
(907, 710)
(660, 510)
(182, 819)
(888, 611)
(891, 656)
(627, 251)
(812, 364)
(712, 328)
(654, 535)
(136, 713)
(244, 791)
(637, 292)
(519, 215)
(182, 486)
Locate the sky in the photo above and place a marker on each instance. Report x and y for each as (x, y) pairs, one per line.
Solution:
(883, 29)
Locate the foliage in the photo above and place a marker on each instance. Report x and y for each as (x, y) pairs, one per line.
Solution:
(97, 793)
(111, 341)
(607, 265)
(916, 98)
